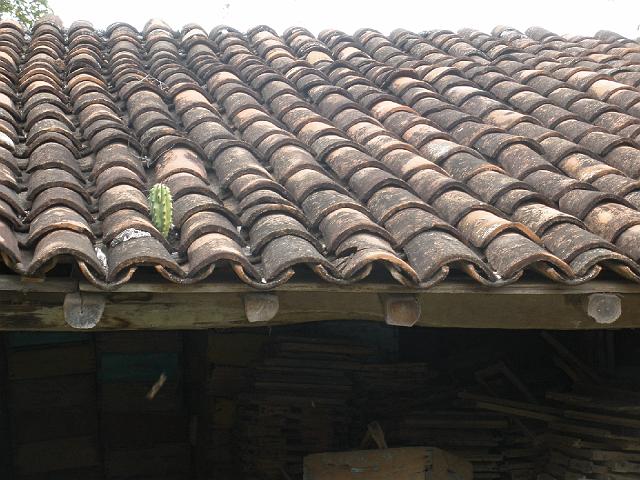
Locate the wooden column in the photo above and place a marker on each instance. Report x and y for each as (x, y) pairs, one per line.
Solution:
(196, 374)
(6, 453)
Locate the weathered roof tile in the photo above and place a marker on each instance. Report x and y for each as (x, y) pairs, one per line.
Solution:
(487, 154)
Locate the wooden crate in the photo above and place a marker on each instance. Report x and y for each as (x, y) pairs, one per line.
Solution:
(409, 463)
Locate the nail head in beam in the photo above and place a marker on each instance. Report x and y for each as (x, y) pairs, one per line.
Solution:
(83, 310)
(604, 308)
(260, 307)
(402, 310)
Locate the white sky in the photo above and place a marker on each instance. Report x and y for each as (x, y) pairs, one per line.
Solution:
(560, 16)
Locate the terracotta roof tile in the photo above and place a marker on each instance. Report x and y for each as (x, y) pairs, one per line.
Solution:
(419, 154)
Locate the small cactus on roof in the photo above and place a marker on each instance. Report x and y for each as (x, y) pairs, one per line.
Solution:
(161, 205)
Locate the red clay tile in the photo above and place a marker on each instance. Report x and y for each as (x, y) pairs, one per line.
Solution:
(490, 154)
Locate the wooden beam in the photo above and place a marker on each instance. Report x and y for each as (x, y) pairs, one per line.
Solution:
(260, 307)
(174, 307)
(83, 310)
(15, 283)
(523, 287)
(604, 308)
(197, 375)
(401, 310)
(6, 445)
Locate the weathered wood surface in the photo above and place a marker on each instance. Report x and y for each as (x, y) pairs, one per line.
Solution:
(401, 310)
(604, 307)
(30, 306)
(261, 307)
(58, 454)
(14, 283)
(410, 463)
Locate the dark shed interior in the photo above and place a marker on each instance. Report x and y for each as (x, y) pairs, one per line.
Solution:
(251, 403)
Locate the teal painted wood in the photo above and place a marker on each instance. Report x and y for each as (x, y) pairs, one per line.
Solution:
(138, 367)
(31, 339)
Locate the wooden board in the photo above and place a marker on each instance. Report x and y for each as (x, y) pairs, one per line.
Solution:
(56, 392)
(30, 339)
(127, 397)
(409, 463)
(160, 461)
(49, 424)
(235, 349)
(138, 367)
(164, 306)
(89, 473)
(139, 430)
(58, 454)
(71, 359)
(6, 453)
(139, 342)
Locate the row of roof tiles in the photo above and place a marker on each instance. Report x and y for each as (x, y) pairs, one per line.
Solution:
(418, 153)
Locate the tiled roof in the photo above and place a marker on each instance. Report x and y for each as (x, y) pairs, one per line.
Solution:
(413, 154)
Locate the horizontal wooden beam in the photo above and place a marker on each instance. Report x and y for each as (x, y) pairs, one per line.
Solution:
(523, 287)
(202, 310)
(28, 304)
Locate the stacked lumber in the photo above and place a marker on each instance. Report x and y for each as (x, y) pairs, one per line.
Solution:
(299, 396)
(497, 447)
(473, 437)
(53, 407)
(589, 433)
(595, 435)
(230, 356)
(319, 395)
(434, 415)
(144, 422)
(297, 405)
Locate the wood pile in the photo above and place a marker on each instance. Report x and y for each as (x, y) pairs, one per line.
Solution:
(415, 407)
(304, 396)
(591, 433)
(553, 419)
(595, 435)
(298, 404)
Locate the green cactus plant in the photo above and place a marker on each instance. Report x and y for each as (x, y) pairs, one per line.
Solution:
(161, 205)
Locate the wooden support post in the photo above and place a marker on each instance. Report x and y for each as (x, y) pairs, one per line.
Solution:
(6, 454)
(402, 310)
(604, 308)
(196, 369)
(83, 310)
(260, 307)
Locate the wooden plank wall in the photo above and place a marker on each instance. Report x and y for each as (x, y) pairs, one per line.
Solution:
(53, 406)
(6, 463)
(144, 435)
(108, 406)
